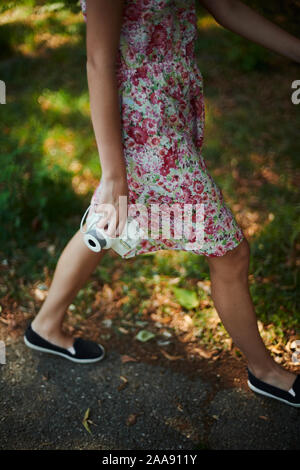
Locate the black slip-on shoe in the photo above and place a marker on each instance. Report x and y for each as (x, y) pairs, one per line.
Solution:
(83, 350)
(290, 397)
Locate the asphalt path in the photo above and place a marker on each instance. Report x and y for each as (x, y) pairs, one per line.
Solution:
(132, 405)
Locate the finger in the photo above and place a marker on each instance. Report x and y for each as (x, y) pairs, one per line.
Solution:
(111, 230)
(107, 224)
(103, 220)
(103, 207)
(103, 224)
(104, 215)
(96, 206)
(101, 215)
(123, 215)
(121, 226)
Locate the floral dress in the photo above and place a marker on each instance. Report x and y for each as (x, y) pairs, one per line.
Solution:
(162, 111)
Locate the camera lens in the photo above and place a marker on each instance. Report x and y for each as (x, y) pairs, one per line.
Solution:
(92, 243)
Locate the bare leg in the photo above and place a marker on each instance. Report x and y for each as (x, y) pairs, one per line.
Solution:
(232, 300)
(74, 267)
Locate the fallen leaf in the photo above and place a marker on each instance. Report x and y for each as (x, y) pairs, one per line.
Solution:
(187, 298)
(132, 419)
(107, 292)
(188, 337)
(144, 335)
(107, 322)
(167, 334)
(141, 323)
(123, 385)
(165, 320)
(51, 250)
(264, 417)
(229, 342)
(122, 301)
(205, 303)
(163, 342)
(123, 330)
(129, 323)
(85, 420)
(168, 356)
(295, 344)
(276, 349)
(186, 323)
(204, 285)
(40, 294)
(215, 358)
(203, 353)
(126, 358)
(278, 359)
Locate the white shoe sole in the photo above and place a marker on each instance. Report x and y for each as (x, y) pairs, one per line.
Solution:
(257, 390)
(73, 359)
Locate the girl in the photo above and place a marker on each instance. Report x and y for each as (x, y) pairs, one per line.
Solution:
(147, 109)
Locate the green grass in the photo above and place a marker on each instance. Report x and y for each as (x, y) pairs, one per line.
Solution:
(49, 164)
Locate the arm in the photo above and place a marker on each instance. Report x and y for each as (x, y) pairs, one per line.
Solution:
(104, 20)
(239, 18)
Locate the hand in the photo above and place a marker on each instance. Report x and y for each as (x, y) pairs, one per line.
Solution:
(112, 200)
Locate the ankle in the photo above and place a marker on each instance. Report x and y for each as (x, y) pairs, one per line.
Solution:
(46, 329)
(263, 371)
(53, 333)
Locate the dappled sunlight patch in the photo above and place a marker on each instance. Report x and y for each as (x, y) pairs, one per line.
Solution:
(269, 175)
(207, 22)
(62, 102)
(253, 222)
(53, 41)
(39, 28)
(250, 221)
(211, 112)
(44, 41)
(75, 166)
(58, 101)
(59, 148)
(257, 158)
(84, 105)
(11, 15)
(166, 259)
(84, 182)
(265, 170)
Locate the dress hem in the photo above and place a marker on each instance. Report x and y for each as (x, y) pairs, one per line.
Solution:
(207, 255)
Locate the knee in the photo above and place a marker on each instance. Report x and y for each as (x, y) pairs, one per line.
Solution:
(242, 252)
(242, 257)
(233, 265)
